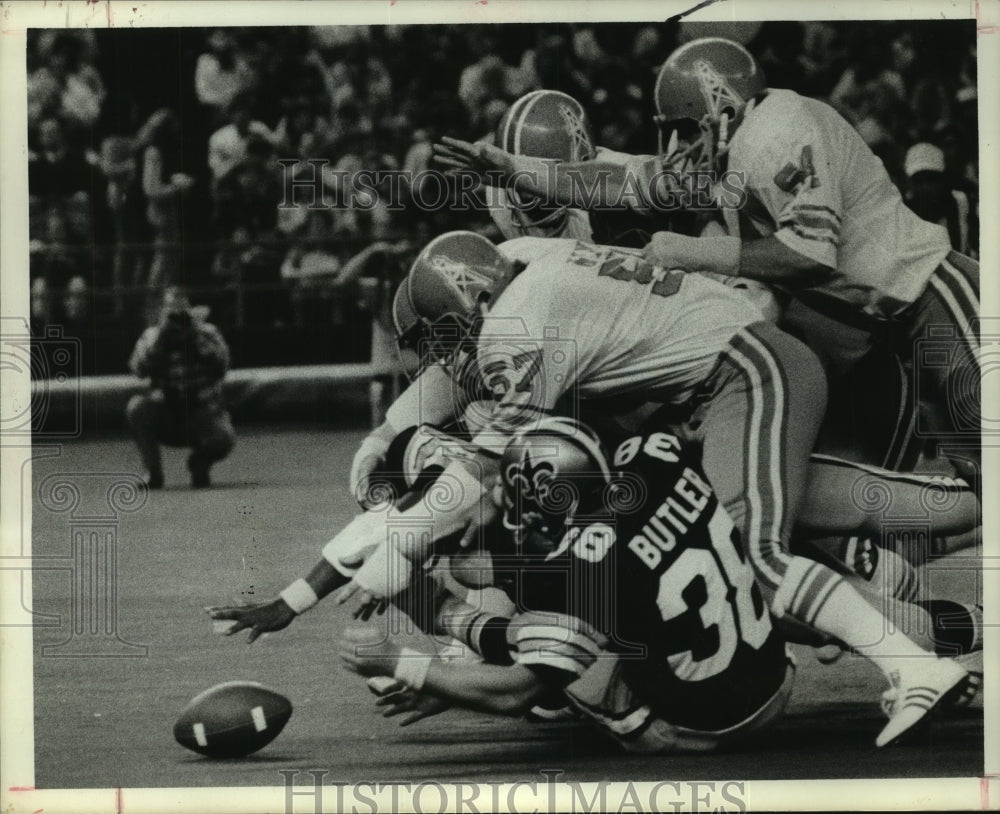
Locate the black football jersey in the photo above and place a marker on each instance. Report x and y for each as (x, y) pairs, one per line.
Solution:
(658, 579)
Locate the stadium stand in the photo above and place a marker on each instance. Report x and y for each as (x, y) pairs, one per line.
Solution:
(154, 154)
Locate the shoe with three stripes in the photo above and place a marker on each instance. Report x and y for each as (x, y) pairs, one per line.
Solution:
(924, 688)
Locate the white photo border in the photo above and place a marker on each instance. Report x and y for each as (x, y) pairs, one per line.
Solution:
(16, 704)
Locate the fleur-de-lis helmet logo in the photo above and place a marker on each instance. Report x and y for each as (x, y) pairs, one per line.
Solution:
(529, 482)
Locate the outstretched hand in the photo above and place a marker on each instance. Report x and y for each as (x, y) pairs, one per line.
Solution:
(493, 165)
(265, 617)
(419, 705)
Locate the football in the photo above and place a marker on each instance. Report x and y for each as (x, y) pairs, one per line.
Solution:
(232, 719)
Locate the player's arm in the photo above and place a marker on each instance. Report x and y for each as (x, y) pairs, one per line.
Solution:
(581, 184)
(505, 690)
(794, 177)
(768, 259)
(428, 400)
(341, 558)
(524, 387)
(278, 613)
(449, 506)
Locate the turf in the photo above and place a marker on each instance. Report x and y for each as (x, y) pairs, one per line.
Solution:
(107, 722)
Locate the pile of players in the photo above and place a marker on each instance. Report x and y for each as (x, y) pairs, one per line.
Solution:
(602, 492)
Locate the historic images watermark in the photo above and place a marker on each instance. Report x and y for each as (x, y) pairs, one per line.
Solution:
(52, 361)
(549, 794)
(312, 183)
(92, 503)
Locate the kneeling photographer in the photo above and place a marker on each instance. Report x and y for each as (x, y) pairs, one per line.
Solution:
(185, 359)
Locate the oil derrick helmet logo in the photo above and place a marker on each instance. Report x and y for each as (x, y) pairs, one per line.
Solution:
(716, 89)
(581, 147)
(465, 280)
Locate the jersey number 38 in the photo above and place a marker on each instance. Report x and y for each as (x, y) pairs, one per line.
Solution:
(710, 595)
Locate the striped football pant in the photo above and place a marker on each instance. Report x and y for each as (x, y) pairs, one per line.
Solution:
(943, 403)
(758, 415)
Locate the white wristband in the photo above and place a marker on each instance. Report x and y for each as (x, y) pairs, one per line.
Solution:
(412, 668)
(299, 596)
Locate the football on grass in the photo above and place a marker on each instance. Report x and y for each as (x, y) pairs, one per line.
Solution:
(232, 719)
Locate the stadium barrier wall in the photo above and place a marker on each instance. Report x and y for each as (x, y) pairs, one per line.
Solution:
(92, 406)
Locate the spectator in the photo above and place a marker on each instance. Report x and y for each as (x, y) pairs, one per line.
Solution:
(59, 211)
(379, 268)
(185, 359)
(227, 146)
(66, 85)
(247, 201)
(310, 268)
(57, 170)
(221, 73)
(556, 69)
(76, 305)
(929, 196)
(117, 162)
(163, 186)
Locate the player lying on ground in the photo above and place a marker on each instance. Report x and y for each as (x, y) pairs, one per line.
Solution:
(420, 454)
(634, 602)
(644, 332)
(661, 637)
(808, 208)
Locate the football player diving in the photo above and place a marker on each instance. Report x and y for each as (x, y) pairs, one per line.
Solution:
(630, 597)
(638, 332)
(809, 209)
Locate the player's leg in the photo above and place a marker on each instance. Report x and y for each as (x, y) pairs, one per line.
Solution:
(758, 433)
(844, 497)
(943, 332)
(144, 414)
(893, 586)
(663, 737)
(213, 438)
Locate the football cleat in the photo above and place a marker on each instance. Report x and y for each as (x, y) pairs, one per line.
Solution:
(926, 688)
(973, 664)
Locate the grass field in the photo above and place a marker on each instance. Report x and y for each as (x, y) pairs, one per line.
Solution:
(107, 722)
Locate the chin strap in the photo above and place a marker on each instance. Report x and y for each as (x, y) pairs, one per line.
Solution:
(726, 124)
(526, 223)
(723, 133)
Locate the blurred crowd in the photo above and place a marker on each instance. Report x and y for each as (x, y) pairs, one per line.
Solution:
(154, 155)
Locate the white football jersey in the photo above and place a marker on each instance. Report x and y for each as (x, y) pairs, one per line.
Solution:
(585, 321)
(814, 184)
